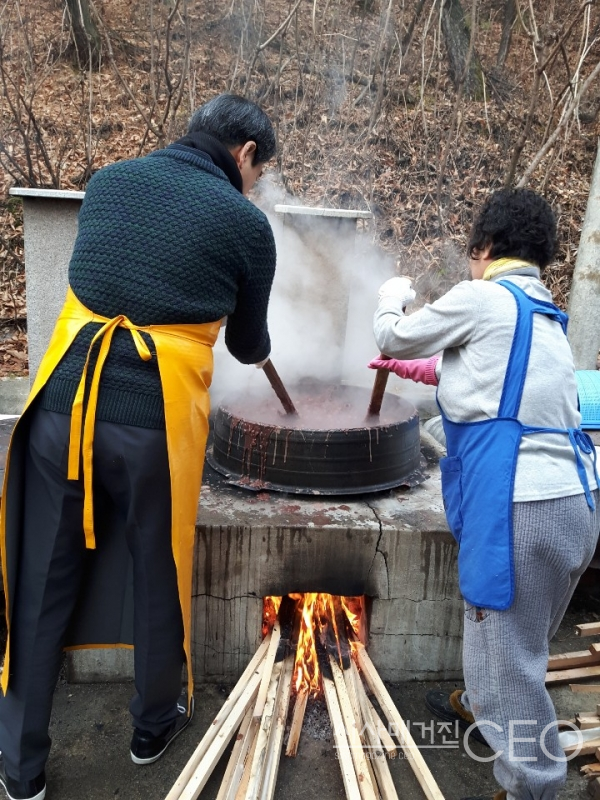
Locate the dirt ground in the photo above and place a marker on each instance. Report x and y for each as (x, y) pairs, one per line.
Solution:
(91, 732)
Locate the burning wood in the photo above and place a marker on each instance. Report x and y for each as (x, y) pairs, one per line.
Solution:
(314, 644)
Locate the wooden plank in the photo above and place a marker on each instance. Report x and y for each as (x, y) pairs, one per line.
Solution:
(579, 658)
(254, 667)
(281, 714)
(588, 629)
(587, 749)
(297, 720)
(378, 758)
(585, 687)
(243, 755)
(339, 734)
(411, 751)
(367, 790)
(353, 696)
(386, 740)
(244, 776)
(351, 688)
(586, 721)
(389, 744)
(259, 759)
(565, 675)
(590, 769)
(226, 783)
(268, 669)
(205, 767)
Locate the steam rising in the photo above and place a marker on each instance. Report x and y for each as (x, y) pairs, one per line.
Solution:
(321, 308)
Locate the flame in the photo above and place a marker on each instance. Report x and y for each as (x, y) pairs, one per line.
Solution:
(306, 665)
(270, 610)
(318, 618)
(354, 608)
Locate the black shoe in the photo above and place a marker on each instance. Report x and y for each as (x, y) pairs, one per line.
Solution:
(449, 708)
(23, 790)
(501, 795)
(146, 748)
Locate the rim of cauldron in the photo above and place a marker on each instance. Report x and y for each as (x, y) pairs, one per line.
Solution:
(369, 422)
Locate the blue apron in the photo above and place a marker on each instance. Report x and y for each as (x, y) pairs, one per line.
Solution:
(478, 474)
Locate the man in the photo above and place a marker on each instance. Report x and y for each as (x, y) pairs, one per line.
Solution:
(520, 485)
(105, 465)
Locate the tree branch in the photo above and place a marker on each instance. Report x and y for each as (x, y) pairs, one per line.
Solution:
(561, 125)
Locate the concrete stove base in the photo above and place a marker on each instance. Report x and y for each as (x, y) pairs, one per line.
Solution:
(394, 547)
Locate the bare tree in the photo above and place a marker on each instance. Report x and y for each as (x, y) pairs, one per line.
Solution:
(25, 151)
(457, 37)
(85, 36)
(457, 104)
(508, 22)
(168, 73)
(547, 46)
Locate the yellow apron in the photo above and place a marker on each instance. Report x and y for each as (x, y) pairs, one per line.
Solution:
(185, 363)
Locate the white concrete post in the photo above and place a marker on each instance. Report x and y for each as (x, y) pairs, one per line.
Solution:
(584, 301)
(50, 228)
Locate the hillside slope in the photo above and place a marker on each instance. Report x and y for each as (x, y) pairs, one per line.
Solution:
(366, 112)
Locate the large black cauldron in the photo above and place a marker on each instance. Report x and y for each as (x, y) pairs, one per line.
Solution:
(330, 448)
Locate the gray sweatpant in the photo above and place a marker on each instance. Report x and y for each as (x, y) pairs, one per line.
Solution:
(505, 653)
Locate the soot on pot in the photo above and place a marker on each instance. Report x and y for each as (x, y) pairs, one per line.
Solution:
(329, 447)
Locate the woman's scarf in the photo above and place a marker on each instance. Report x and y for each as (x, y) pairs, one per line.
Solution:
(502, 265)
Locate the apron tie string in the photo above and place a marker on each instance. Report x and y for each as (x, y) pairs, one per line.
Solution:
(580, 441)
(82, 450)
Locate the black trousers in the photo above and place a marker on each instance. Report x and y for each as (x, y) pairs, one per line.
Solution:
(132, 504)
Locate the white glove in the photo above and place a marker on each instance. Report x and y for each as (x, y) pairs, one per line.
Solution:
(398, 288)
(261, 364)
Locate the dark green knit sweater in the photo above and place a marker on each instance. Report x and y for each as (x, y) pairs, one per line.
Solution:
(164, 239)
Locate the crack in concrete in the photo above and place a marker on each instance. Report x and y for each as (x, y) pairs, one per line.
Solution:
(234, 653)
(232, 597)
(420, 634)
(377, 550)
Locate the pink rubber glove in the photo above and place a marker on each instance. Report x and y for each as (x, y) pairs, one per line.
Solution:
(421, 370)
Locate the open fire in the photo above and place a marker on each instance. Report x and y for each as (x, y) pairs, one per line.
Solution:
(313, 643)
(326, 624)
(323, 617)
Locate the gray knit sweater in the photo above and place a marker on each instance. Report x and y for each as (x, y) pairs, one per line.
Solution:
(473, 324)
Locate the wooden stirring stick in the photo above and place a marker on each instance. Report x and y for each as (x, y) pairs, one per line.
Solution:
(381, 379)
(279, 388)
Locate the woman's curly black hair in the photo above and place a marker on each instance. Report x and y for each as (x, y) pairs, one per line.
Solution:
(517, 223)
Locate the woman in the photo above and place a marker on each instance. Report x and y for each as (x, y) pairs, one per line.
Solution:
(519, 483)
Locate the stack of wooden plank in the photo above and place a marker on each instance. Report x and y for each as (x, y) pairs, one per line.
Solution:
(592, 770)
(587, 721)
(573, 668)
(579, 665)
(256, 711)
